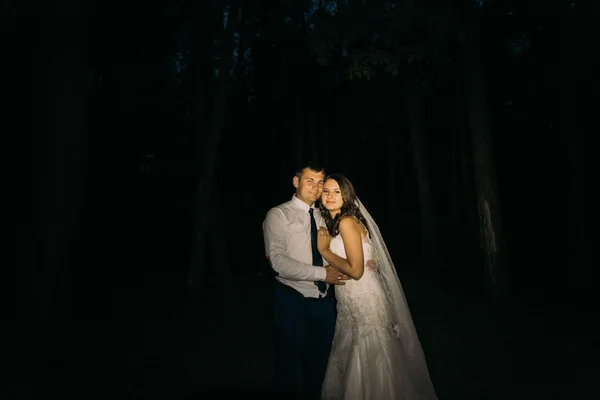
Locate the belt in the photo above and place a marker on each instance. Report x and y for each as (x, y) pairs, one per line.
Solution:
(294, 291)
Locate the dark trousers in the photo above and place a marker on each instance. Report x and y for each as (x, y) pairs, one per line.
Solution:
(304, 331)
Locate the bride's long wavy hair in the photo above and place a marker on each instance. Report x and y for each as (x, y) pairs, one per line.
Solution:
(349, 208)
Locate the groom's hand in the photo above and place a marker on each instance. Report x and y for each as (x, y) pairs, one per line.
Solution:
(335, 277)
(372, 265)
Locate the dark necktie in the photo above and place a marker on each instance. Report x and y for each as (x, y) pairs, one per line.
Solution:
(317, 258)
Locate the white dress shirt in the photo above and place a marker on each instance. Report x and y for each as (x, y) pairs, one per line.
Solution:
(286, 231)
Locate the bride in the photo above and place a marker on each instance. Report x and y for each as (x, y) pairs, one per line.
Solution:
(376, 353)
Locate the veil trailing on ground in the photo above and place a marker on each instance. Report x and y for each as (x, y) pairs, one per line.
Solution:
(399, 312)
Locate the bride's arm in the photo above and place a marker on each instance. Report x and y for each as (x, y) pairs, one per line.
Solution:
(354, 265)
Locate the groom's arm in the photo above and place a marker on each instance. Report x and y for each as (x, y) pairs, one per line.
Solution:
(275, 247)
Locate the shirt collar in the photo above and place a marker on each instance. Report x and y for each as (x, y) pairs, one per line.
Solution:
(301, 205)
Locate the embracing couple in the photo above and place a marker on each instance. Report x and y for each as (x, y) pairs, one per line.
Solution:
(354, 342)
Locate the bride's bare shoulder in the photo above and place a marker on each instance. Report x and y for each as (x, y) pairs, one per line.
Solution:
(350, 222)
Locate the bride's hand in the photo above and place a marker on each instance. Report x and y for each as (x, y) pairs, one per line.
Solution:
(323, 239)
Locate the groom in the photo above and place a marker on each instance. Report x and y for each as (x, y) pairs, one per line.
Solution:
(304, 306)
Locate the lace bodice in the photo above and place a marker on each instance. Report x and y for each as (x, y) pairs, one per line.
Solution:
(361, 303)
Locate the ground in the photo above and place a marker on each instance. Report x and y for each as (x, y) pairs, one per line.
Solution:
(162, 344)
(474, 350)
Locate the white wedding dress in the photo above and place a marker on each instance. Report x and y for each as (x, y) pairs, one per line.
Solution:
(368, 360)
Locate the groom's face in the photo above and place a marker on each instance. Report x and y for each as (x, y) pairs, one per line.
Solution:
(309, 186)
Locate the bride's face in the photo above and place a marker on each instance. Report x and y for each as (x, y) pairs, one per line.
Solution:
(332, 197)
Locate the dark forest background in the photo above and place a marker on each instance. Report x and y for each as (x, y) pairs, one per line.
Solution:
(162, 132)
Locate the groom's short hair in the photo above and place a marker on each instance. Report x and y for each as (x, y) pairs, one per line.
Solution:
(313, 166)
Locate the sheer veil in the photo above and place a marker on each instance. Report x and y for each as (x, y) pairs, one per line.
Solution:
(399, 312)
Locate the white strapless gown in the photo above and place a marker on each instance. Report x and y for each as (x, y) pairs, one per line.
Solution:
(367, 360)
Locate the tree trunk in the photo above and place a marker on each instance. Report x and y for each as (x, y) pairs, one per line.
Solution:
(465, 160)
(392, 156)
(459, 169)
(465, 209)
(414, 103)
(298, 128)
(312, 117)
(323, 132)
(202, 59)
(61, 170)
(316, 116)
(573, 135)
(206, 185)
(490, 223)
(222, 272)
